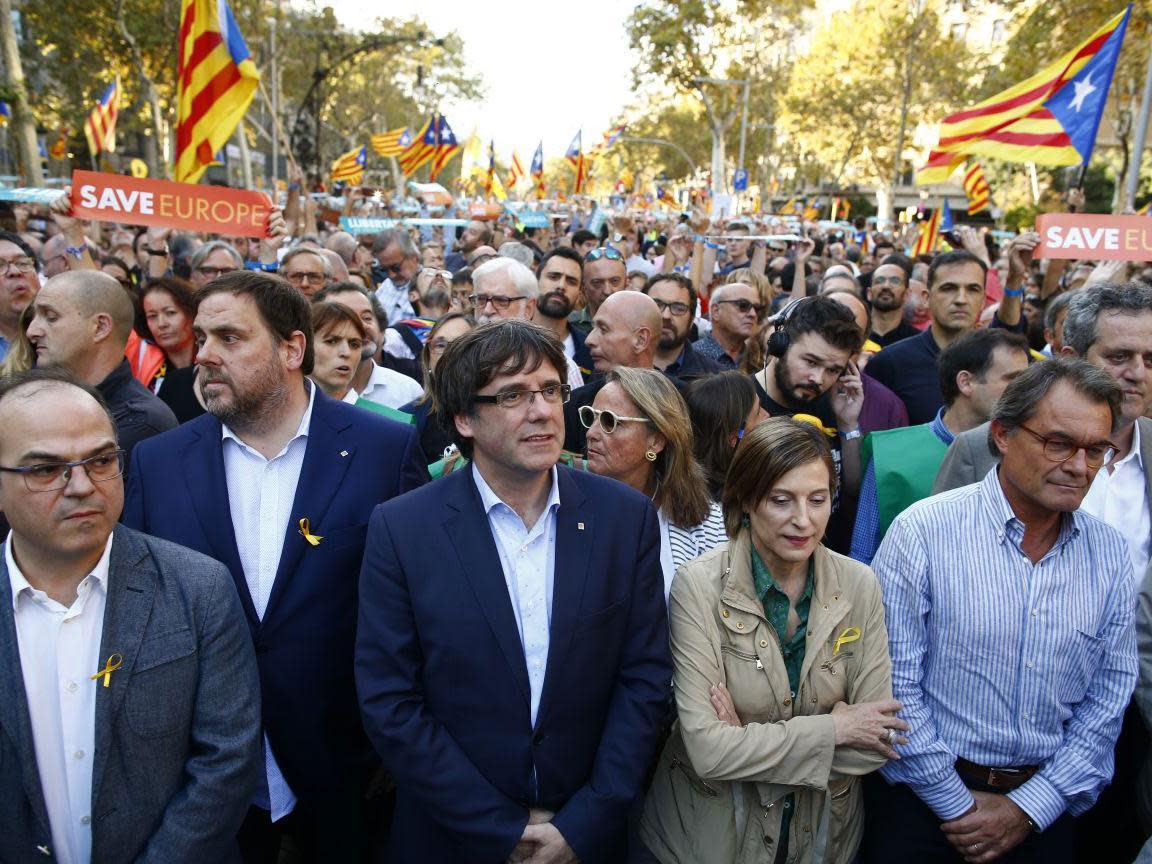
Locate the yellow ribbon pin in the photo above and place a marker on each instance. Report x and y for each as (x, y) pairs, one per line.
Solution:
(314, 539)
(849, 635)
(814, 421)
(114, 663)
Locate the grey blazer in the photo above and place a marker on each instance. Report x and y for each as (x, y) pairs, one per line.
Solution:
(177, 754)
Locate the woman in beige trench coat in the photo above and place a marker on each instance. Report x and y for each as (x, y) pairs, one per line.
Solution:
(782, 675)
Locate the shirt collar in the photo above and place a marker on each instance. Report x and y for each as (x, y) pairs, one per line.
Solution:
(1134, 453)
(1006, 519)
(301, 430)
(491, 500)
(19, 583)
(940, 429)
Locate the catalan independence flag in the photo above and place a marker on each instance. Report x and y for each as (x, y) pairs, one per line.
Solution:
(392, 143)
(1049, 119)
(100, 128)
(491, 175)
(515, 171)
(929, 234)
(575, 155)
(977, 189)
(422, 148)
(216, 80)
(446, 147)
(349, 168)
(537, 170)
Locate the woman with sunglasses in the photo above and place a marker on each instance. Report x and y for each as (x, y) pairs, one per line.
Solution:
(783, 680)
(724, 408)
(639, 433)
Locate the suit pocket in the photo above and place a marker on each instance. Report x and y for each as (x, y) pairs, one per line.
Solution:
(601, 617)
(162, 688)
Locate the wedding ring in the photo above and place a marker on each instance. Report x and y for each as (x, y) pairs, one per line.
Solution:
(892, 736)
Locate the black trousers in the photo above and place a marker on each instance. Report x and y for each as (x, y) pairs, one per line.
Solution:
(899, 828)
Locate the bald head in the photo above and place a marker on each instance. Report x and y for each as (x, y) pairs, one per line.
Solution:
(339, 270)
(625, 331)
(94, 293)
(343, 244)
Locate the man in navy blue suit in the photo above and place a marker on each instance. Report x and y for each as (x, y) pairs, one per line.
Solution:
(512, 652)
(277, 481)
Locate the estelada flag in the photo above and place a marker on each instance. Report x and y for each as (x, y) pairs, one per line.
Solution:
(392, 143)
(100, 128)
(977, 189)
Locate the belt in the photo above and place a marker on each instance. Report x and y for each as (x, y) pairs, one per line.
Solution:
(996, 778)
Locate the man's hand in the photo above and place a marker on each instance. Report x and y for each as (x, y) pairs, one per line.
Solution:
(805, 246)
(1020, 250)
(698, 221)
(1076, 199)
(991, 828)
(275, 233)
(847, 398)
(549, 844)
(525, 848)
(970, 239)
(70, 226)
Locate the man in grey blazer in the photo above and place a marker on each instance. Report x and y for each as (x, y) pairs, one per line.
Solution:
(1110, 326)
(129, 698)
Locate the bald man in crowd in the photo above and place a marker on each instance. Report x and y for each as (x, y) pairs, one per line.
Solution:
(625, 332)
(81, 323)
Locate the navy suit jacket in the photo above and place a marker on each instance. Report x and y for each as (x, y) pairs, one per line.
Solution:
(444, 686)
(354, 460)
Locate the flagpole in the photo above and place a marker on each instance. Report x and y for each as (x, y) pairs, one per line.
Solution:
(1133, 179)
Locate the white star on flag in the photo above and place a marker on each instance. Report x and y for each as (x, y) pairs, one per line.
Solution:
(1083, 90)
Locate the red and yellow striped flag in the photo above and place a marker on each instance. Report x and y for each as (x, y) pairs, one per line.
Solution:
(349, 168)
(100, 129)
(515, 171)
(216, 80)
(977, 189)
(421, 150)
(1049, 119)
(929, 235)
(392, 143)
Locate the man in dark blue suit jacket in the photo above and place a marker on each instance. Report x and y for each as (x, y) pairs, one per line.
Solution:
(277, 482)
(512, 651)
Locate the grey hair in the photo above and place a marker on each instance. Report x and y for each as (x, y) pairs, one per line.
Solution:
(1088, 304)
(520, 275)
(1022, 397)
(1052, 310)
(201, 254)
(517, 251)
(398, 236)
(308, 250)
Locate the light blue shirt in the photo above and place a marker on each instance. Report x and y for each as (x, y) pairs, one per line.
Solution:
(528, 558)
(4, 345)
(395, 301)
(260, 496)
(1001, 661)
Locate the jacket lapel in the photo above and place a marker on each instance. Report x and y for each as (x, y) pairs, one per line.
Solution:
(466, 525)
(829, 606)
(131, 588)
(575, 535)
(326, 462)
(14, 718)
(207, 485)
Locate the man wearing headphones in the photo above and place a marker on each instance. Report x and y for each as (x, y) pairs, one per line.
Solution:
(810, 376)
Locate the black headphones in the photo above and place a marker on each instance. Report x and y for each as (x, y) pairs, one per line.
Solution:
(778, 340)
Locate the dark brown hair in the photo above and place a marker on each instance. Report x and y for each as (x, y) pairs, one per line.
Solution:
(328, 314)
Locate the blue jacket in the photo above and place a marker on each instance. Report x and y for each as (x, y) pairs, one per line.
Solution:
(354, 460)
(444, 687)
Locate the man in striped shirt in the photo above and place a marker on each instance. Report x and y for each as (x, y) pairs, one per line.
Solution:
(1010, 620)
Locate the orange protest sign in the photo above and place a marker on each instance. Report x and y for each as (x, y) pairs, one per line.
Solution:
(1094, 236)
(215, 209)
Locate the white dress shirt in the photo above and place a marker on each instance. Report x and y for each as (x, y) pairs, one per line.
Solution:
(260, 496)
(59, 654)
(528, 558)
(390, 388)
(1120, 498)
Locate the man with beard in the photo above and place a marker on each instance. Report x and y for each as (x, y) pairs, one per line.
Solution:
(560, 275)
(277, 481)
(474, 235)
(18, 285)
(675, 297)
(887, 293)
(810, 375)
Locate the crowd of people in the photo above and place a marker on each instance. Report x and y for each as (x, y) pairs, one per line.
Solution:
(665, 541)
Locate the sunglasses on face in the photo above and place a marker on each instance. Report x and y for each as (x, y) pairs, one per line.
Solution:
(609, 252)
(608, 420)
(743, 306)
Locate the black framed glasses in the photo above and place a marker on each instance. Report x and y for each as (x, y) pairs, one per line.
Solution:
(609, 252)
(553, 394)
(1061, 449)
(679, 310)
(608, 419)
(743, 306)
(390, 269)
(215, 272)
(52, 476)
(501, 303)
(22, 263)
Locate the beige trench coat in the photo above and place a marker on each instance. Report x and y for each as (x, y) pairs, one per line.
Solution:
(718, 791)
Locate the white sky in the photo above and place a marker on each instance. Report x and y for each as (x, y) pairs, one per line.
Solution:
(529, 54)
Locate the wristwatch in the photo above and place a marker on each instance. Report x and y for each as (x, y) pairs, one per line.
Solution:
(851, 435)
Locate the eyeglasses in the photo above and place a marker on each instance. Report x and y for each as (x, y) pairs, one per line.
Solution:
(743, 306)
(609, 420)
(552, 394)
(1061, 449)
(677, 309)
(23, 264)
(609, 252)
(51, 476)
(215, 272)
(446, 275)
(501, 303)
(311, 278)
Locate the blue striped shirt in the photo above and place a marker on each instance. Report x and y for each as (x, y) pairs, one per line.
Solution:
(1001, 661)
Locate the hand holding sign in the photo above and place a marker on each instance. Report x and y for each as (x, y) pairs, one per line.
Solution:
(275, 233)
(1020, 250)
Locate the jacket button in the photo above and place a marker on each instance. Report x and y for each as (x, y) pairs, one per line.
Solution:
(739, 625)
(813, 700)
(723, 613)
(787, 702)
(538, 738)
(807, 829)
(763, 643)
(261, 648)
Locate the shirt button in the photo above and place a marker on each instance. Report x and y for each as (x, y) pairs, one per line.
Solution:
(1028, 665)
(71, 688)
(79, 754)
(1035, 613)
(85, 820)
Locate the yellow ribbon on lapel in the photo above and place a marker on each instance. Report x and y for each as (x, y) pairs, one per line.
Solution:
(849, 635)
(314, 539)
(114, 663)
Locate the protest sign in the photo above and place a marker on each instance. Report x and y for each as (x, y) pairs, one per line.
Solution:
(375, 224)
(134, 201)
(1094, 236)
